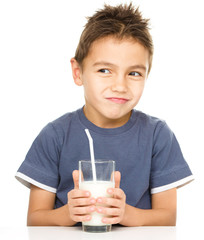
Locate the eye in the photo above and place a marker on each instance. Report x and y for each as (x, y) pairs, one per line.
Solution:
(104, 71)
(135, 74)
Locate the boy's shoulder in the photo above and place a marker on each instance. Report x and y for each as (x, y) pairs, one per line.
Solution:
(64, 119)
(63, 122)
(154, 130)
(58, 128)
(152, 127)
(147, 120)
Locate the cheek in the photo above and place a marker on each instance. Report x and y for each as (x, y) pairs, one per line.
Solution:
(91, 89)
(137, 89)
(94, 86)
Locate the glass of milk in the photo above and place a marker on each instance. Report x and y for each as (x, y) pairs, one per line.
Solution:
(104, 179)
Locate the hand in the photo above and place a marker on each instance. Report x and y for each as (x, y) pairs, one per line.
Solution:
(80, 202)
(116, 204)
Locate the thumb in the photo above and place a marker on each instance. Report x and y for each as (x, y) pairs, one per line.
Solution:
(117, 179)
(75, 175)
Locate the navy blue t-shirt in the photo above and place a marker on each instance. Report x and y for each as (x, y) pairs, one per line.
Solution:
(145, 150)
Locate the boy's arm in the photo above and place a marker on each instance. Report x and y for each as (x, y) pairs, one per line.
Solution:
(41, 212)
(163, 212)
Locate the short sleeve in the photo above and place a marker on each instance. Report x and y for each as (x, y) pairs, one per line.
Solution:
(168, 168)
(40, 166)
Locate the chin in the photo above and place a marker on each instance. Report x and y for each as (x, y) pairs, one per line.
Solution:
(114, 115)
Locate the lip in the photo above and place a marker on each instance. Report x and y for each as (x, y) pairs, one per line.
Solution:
(118, 100)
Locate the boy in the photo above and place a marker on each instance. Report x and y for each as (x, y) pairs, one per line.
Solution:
(112, 62)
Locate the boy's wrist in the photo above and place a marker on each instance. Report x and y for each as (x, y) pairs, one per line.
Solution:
(125, 216)
(131, 217)
(70, 221)
(62, 217)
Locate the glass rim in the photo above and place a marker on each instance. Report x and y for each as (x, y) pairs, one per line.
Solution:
(97, 161)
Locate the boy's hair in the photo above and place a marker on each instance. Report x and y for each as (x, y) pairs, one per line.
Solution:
(122, 21)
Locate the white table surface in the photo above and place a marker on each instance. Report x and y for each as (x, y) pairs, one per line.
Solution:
(117, 233)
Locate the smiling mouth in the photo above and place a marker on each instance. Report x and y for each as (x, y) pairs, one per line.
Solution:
(118, 100)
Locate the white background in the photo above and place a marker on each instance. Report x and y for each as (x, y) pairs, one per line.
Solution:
(37, 40)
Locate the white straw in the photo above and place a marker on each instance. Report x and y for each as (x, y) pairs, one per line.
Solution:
(91, 153)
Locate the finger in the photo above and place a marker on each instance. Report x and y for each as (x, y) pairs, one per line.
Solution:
(83, 210)
(81, 202)
(116, 193)
(112, 220)
(117, 179)
(113, 202)
(83, 218)
(75, 175)
(77, 193)
(109, 211)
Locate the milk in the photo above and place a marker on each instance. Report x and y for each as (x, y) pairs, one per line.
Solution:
(97, 189)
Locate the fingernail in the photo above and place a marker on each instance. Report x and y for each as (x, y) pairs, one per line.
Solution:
(99, 200)
(103, 220)
(93, 200)
(99, 210)
(110, 190)
(91, 209)
(88, 218)
(87, 194)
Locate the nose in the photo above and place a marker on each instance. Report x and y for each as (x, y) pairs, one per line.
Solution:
(119, 84)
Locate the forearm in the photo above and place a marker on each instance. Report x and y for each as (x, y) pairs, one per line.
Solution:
(150, 217)
(54, 217)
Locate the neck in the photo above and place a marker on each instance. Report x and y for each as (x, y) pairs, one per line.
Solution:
(103, 122)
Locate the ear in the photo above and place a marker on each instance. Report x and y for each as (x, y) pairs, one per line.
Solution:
(76, 72)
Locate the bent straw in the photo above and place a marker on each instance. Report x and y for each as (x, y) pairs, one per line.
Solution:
(92, 154)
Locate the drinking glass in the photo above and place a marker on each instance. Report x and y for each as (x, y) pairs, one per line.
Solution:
(104, 173)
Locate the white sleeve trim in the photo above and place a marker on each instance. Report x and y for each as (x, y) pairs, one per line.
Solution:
(177, 184)
(25, 180)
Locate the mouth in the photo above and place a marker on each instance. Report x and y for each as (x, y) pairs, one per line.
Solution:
(118, 100)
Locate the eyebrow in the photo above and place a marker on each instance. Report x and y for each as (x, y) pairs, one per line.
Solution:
(102, 63)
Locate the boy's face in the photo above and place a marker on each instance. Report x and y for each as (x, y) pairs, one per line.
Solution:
(113, 77)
